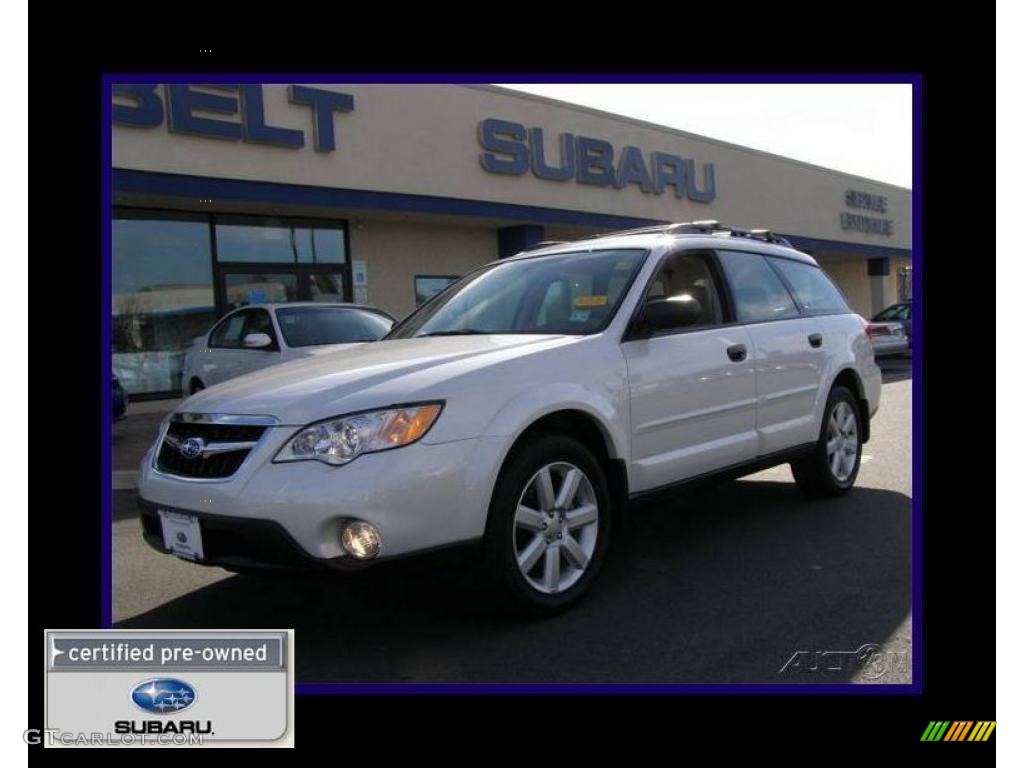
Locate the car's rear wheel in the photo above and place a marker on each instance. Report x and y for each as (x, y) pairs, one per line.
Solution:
(548, 526)
(196, 386)
(831, 468)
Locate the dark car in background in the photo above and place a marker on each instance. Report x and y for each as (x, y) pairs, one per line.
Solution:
(120, 400)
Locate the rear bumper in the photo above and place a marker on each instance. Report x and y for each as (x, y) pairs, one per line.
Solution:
(890, 345)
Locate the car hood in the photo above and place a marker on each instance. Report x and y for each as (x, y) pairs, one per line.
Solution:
(324, 349)
(364, 376)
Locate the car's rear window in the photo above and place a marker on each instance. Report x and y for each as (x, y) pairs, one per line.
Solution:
(311, 326)
(814, 291)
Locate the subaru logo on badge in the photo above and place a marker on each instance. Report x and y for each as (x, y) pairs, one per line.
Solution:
(192, 447)
(163, 696)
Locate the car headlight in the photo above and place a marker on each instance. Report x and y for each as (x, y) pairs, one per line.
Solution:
(341, 439)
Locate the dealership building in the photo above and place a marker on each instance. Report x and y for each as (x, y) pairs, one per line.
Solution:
(382, 194)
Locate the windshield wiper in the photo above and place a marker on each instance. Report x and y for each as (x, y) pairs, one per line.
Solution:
(463, 332)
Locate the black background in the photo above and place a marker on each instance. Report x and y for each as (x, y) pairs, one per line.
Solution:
(66, 352)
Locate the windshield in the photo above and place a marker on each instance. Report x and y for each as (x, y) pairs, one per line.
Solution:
(311, 326)
(568, 293)
(895, 312)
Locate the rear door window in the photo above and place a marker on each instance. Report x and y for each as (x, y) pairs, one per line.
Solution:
(758, 293)
(814, 291)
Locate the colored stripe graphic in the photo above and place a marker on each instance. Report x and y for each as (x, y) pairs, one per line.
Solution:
(982, 731)
(958, 730)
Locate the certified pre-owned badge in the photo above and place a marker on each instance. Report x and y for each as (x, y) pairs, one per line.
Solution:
(163, 696)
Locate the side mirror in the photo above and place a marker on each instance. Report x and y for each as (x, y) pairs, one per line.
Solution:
(257, 341)
(673, 312)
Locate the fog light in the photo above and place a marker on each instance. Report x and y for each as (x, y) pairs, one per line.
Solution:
(360, 540)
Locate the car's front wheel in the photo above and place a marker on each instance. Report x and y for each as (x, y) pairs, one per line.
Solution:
(548, 526)
(831, 468)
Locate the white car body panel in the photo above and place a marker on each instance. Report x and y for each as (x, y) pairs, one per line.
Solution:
(693, 410)
(670, 408)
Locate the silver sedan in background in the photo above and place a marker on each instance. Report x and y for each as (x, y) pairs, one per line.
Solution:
(890, 330)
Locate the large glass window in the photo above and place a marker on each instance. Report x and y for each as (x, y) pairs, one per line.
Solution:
(167, 290)
(162, 284)
(326, 286)
(565, 293)
(815, 292)
(759, 293)
(241, 288)
(277, 241)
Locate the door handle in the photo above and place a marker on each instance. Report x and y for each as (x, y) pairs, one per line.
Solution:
(815, 340)
(737, 352)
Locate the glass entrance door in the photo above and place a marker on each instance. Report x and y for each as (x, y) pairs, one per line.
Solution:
(240, 285)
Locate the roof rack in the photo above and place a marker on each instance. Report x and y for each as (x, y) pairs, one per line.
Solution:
(703, 227)
(542, 244)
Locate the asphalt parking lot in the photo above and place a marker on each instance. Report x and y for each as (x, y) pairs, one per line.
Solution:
(725, 584)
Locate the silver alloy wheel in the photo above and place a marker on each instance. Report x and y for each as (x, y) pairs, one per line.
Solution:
(842, 441)
(555, 532)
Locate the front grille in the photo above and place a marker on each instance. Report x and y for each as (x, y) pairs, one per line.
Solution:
(218, 465)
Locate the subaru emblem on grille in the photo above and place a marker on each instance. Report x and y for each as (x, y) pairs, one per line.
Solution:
(192, 447)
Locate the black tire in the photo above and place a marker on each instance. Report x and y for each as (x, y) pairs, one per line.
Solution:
(500, 539)
(196, 386)
(813, 473)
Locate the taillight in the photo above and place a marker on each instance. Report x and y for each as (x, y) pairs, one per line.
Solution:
(878, 330)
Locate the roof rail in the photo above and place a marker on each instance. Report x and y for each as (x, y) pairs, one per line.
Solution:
(638, 231)
(542, 244)
(703, 227)
(763, 234)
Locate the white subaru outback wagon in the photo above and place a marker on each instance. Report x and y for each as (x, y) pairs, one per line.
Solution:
(522, 405)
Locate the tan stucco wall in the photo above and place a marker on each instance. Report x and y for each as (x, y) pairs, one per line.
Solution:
(852, 276)
(422, 139)
(851, 273)
(396, 251)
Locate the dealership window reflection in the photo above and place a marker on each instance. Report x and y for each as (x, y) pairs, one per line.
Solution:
(175, 273)
(262, 240)
(163, 297)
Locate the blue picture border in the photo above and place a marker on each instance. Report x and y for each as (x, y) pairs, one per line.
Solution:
(917, 488)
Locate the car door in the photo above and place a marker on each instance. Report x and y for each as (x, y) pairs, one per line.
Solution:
(790, 350)
(692, 389)
(257, 320)
(220, 360)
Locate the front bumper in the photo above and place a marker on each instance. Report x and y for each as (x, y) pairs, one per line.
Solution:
(419, 497)
(240, 542)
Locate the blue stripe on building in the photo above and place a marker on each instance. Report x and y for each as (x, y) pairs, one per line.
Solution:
(235, 190)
